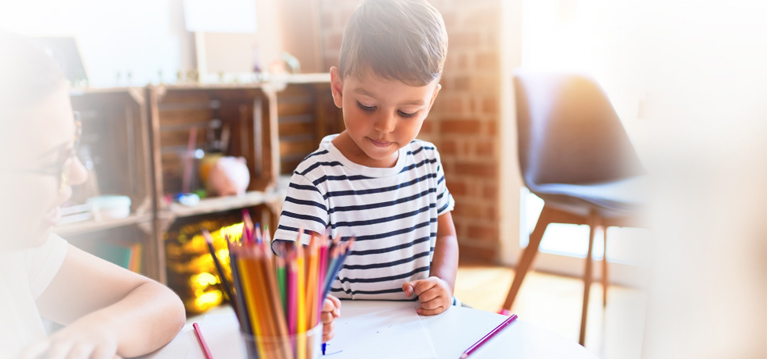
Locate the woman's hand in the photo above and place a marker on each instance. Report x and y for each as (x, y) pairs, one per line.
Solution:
(331, 309)
(86, 339)
(433, 293)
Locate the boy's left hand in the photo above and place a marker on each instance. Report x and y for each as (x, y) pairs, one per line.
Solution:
(433, 293)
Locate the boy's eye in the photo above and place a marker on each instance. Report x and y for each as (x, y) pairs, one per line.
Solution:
(406, 115)
(365, 108)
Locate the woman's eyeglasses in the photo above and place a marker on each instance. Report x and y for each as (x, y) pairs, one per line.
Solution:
(64, 159)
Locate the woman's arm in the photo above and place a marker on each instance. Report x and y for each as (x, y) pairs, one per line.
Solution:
(108, 310)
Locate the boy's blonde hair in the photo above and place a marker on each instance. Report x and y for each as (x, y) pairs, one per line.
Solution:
(403, 40)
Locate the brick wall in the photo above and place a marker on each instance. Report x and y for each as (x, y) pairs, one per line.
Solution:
(465, 118)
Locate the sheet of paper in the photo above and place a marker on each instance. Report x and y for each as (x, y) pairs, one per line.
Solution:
(375, 333)
(221, 332)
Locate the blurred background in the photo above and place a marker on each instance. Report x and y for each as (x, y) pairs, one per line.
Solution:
(166, 89)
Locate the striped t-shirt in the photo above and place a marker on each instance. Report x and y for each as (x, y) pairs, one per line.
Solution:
(392, 212)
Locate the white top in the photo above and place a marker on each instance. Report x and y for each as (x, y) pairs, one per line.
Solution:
(392, 213)
(24, 275)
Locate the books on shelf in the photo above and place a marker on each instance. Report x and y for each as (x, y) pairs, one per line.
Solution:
(125, 255)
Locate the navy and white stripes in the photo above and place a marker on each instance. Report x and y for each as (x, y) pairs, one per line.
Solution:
(391, 211)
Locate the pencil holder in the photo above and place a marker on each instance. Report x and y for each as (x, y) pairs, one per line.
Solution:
(299, 346)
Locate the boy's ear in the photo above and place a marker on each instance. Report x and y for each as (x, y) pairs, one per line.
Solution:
(337, 86)
(434, 95)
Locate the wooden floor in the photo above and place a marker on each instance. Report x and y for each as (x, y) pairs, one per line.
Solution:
(554, 302)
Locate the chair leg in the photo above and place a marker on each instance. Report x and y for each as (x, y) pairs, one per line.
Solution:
(604, 271)
(527, 257)
(587, 277)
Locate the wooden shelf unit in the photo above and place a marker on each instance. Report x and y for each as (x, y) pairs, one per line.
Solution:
(141, 137)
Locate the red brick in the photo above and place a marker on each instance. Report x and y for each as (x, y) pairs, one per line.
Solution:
(462, 40)
(448, 147)
(462, 126)
(485, 18)
(469, 210)
(486, 60)
(491, 212)
(457, 187)
(483, 233)
(469, 252)
(490, 105)
(485, 148)
(482, 170)
(485, 83)
(427, 126)
(454, 106)
(462, 83)
(490, 191)
(492, 128)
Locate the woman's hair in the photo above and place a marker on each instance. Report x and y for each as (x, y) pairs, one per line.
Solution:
(27, 73)
(403, 40)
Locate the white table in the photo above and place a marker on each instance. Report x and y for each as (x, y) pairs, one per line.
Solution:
(451, 333)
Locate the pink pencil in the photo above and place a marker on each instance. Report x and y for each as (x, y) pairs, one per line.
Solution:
(204, 346)
(488, 336)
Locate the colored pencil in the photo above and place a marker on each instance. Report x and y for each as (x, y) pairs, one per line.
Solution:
(204, 345)
(239, 296)
(280, 297)
(219, 267)
(489, 336)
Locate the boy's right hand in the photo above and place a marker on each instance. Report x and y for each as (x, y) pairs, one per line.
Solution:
(331, 309)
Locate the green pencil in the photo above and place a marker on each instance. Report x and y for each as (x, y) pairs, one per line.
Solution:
(281, 283)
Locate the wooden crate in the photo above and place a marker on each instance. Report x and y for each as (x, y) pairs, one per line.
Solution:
(116, 132)
(305, 114)
(115, 129)
(247, 112)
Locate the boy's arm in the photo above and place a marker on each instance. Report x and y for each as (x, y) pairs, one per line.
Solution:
(108, 309)
(436, 292)
(444, 264)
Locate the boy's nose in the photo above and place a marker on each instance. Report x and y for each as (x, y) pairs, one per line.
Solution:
(386, 123)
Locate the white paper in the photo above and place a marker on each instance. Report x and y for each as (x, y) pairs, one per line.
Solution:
(373, 333)
(221, 332)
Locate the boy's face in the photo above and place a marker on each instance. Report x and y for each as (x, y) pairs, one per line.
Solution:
(381, 115)
(34, 154)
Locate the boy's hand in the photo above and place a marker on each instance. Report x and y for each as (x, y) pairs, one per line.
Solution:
(433, 293)
(331, 309)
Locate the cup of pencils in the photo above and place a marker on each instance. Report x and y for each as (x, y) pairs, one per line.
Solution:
(278, 299)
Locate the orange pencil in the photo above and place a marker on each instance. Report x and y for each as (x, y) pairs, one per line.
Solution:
(275, 308)
(248, 284)
(311, 283)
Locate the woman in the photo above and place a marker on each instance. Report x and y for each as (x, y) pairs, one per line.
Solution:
(108, 311)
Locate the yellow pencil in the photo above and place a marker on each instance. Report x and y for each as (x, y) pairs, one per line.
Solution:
(301, 315)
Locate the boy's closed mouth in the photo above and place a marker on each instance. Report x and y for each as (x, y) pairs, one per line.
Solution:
(380, 143)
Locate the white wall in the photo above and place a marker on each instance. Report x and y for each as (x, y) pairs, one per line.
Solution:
(115, 36)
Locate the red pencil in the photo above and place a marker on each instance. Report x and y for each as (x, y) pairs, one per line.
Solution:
(488, 336)
(204, 346)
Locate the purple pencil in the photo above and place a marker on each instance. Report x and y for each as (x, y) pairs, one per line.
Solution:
(489, 336)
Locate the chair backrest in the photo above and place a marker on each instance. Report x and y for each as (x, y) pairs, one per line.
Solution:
(568, 132)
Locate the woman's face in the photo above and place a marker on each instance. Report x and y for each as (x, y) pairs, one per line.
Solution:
(34, 154)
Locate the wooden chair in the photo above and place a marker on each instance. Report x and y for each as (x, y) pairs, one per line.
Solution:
(576, 156)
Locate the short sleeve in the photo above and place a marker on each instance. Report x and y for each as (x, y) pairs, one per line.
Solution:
(44, 262)
(445, 201)
(305, 206)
